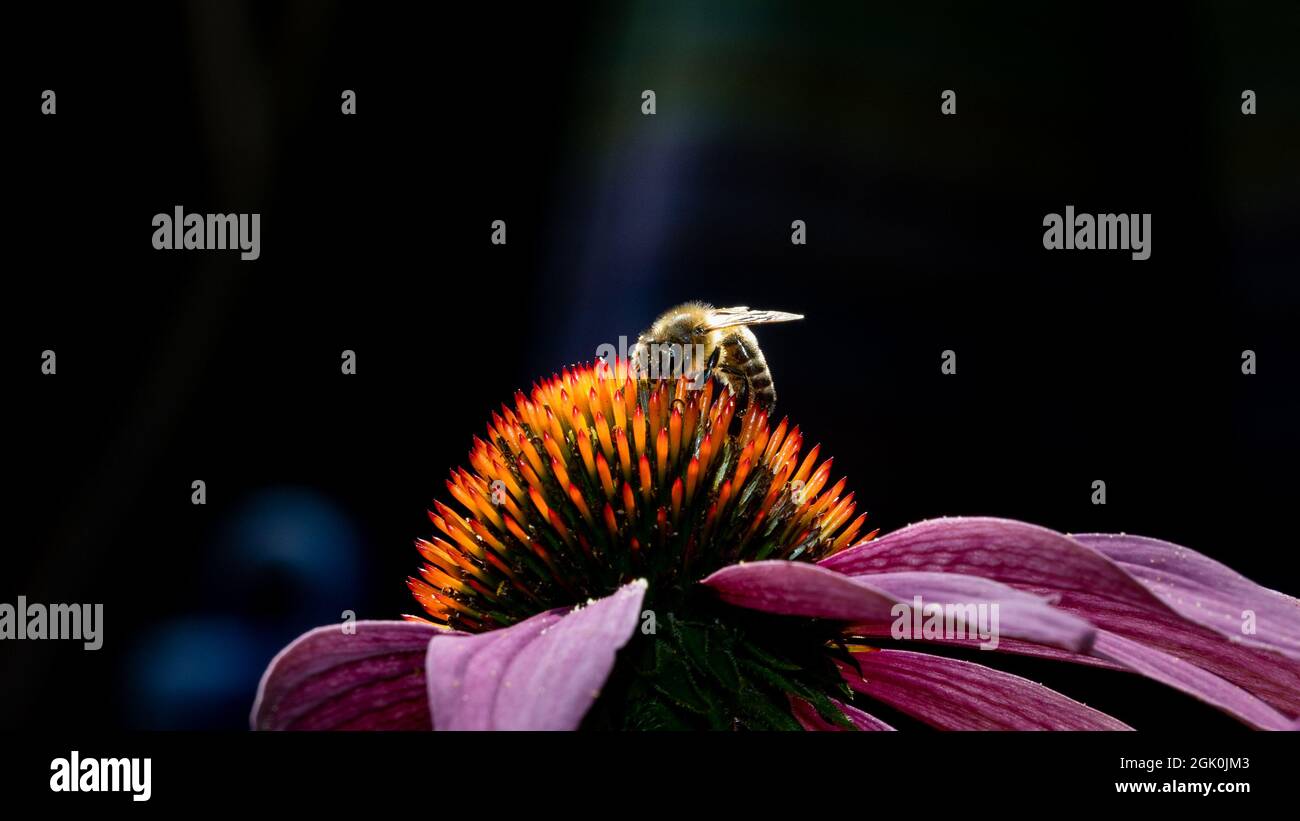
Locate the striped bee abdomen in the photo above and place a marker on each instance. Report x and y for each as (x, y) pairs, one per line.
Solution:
(760, 382)
(748, 363)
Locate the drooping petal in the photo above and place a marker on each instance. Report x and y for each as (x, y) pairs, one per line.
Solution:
(810, 719)
(1081, 580)
(1005, 645)
(1015, 553)
(1206, 592)
(1114, 652)
(1018, 615)
(328, 679)
(1181, 675)
(541, 674)
(467, 671)
(960, 695)
(1188, 678)
(801, 589)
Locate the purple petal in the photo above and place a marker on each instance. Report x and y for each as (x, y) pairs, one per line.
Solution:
(1020, 615)
(1204, 591)
(1115, 652)
(959, 695)
(1187, 677)
(799, 589)
(1081, 580)
(326, 679)
(802, 589)
(1005, 645)
(810, 719)
(466, 671)
(1015, 553)
(541, 674)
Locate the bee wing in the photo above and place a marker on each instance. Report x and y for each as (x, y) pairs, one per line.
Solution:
(730, 317)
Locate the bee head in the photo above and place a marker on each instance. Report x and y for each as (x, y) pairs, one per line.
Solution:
(669, 345)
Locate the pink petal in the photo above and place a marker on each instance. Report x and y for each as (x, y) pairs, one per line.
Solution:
(1089, 584)
(1115, 652)
(1015, 553)
(959, 695)
(466, 671)
(810, 719)
(1204, 591)
(541, 674)
(1005, 645)
(326, 679)
(802, 589)
(1188, 678)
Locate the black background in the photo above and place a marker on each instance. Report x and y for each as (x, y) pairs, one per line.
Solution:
(925, 234)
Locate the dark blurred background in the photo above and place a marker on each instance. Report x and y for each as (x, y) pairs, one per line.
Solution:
(924, 234)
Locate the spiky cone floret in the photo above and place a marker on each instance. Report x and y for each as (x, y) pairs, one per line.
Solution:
(595, 478)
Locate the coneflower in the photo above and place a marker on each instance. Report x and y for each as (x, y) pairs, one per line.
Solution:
(637, 553)
(590, 482)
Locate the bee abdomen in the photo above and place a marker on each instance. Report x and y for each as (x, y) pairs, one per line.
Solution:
(760, 383)
(757, 373)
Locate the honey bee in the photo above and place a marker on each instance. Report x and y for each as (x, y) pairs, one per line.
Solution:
(698, 338)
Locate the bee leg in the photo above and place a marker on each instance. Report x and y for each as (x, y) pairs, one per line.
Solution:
(738, 381)
(739, 374)
(713, 359)
(702, 375)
